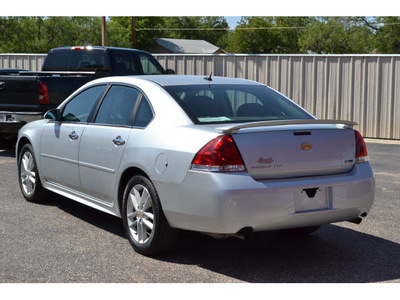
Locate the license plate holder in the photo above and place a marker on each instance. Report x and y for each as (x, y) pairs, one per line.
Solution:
(312, 199)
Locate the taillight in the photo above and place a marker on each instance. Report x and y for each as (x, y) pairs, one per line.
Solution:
(361, 149)
(43, 93)
(219, 155)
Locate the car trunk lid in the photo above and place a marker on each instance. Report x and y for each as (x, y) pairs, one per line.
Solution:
(295, 148)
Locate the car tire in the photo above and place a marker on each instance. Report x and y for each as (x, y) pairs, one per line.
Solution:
(28, 175)
(143, 219)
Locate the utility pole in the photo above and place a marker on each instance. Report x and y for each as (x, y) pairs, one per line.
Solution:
(134, 32)
(103, 31)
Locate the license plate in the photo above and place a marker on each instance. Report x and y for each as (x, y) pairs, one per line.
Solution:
(2, 117)
(312, 199)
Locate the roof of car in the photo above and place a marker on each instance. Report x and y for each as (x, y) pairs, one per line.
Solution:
(172, 80)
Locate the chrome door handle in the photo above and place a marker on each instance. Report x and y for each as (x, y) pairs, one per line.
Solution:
(73, 135)
(119, 141)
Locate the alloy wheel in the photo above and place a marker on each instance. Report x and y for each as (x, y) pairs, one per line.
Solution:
(28, 173)
(140, 214)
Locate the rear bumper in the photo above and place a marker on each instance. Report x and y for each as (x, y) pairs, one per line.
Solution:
(11, 122)
(226, 203)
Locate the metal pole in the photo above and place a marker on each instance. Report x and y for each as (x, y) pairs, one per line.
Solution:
(103, 31)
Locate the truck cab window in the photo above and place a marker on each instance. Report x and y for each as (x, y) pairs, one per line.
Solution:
(124, 63)
(150, 65)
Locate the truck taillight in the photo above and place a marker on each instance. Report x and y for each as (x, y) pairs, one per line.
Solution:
(219, 155)
(361, 149)
(43, 93)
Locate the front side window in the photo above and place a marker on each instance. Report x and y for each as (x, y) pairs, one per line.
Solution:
(117, 106)
(234, 104)
(80, 107)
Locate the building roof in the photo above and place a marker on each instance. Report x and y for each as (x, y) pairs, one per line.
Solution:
(188, 46)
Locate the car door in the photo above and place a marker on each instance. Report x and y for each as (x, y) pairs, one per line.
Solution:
(103, 143)
(61, 139)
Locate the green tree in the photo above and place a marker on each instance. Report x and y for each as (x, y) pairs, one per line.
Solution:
(119, 32)
(254, 35)
(268, 35)
(40, 34)
(289, 31)
(336, 35)
(387, 35)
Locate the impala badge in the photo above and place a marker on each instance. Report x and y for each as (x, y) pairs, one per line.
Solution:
(263, 161)
(306, 146)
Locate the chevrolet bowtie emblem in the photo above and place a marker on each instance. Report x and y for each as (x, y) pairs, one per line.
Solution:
(305, 146)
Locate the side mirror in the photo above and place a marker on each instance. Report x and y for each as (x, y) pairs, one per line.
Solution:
(170, 71)
(53, 114)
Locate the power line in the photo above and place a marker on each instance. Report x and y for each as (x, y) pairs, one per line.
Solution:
(245, 28)
(218, 29)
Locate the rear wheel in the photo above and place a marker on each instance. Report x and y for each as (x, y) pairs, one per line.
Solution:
(28, 175)
(144, 222)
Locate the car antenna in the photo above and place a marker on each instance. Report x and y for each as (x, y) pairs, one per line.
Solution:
(209, 77)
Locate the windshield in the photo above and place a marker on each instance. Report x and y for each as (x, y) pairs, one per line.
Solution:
(213, 104)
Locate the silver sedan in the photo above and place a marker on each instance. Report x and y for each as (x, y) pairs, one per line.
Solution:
(221, 156)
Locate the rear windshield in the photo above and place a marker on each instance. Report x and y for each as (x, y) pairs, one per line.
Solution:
(213, 104)
(77, 60)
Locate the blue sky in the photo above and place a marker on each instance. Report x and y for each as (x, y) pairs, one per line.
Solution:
(232, 21)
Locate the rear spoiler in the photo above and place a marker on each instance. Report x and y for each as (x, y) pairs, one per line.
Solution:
(236, 128)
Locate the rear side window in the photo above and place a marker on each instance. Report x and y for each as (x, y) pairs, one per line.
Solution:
(80, 107)
(117, 106)
(234, 103)
(144, 114)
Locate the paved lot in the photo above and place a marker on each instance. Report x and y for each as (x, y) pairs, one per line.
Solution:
(63, 241)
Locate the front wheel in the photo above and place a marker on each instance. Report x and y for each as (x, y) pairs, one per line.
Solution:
(28, 175)
(144, 222)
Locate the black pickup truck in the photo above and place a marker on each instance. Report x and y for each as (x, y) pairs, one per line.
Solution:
(25, 95)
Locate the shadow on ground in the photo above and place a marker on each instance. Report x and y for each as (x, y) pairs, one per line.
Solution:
(333, 254)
